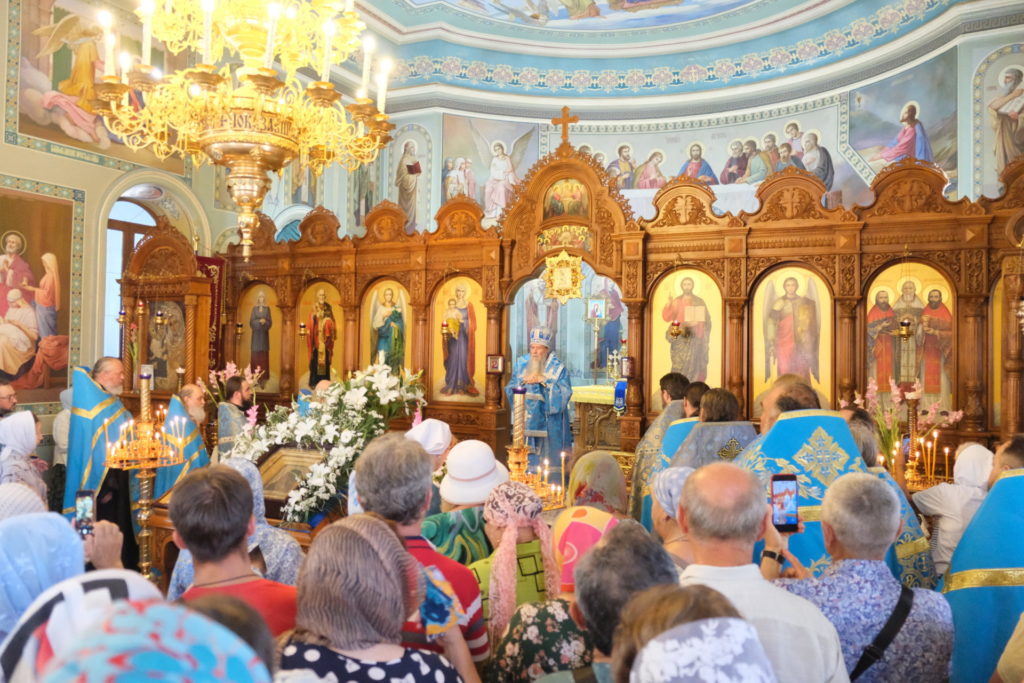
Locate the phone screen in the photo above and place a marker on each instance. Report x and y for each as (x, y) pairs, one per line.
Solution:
(85, 501)
(785, 500)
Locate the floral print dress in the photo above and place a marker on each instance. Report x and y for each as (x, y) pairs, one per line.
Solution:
(541, 639)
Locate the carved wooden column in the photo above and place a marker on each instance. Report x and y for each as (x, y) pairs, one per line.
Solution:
(631, 422)
(422, 332)
(846, 348)
(735, 352)
(191, 301)
(128, 306)
(287, 383)
(973, 318)
(492, 390)
(1013, 362)
(351, 339)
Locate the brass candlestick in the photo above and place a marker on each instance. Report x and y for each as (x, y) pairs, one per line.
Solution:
(143, 447)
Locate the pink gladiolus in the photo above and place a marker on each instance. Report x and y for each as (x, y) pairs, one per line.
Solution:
(251, 414)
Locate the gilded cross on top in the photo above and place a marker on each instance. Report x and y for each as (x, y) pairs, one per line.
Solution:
(564, 123)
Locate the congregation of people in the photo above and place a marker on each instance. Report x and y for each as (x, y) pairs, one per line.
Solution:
(445, 569)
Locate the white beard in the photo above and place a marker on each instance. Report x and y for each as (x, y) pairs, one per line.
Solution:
(535, 366)
(116, 391)
(198, 414)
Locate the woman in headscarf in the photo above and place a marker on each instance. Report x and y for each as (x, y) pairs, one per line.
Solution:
(36, 551)
(61, 615)
(158, 641)
(666, 487)
(356, 588)
(471, 472)
(274, 553)
(673, 634)
(19, 436)
(597, 480)
(542, 637)
(955, 504)
(522, 541)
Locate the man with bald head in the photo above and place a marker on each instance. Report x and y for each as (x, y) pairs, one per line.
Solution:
(724, 513)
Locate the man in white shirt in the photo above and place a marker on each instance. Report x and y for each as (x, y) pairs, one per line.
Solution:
(724, 513)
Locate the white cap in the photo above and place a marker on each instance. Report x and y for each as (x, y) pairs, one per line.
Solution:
(435, 436)
(472, 472)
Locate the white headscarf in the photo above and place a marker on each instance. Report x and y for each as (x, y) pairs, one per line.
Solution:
(19, 499)
(17, 435)
(973, 466)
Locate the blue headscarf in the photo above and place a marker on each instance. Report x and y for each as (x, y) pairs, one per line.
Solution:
(281, 552)
(710, 442)
(667, 487)
(159, 641)
(36, 552)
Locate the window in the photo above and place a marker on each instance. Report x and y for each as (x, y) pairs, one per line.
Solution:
(127, 224)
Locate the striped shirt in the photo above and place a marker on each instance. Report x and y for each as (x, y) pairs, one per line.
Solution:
(474, 628)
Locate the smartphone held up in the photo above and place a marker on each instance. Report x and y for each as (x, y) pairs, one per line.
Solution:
(785, 502)
(85, 516)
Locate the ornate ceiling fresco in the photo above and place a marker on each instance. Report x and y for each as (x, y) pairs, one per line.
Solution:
(615, 48)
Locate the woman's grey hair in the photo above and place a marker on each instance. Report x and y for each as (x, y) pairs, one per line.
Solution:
(626, 562)
(864, 513)
(709, 517)
(393, 478)
(866, 442)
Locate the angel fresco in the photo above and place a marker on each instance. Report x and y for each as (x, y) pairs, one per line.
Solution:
(792, 328)
(502, 177)
(68, 106)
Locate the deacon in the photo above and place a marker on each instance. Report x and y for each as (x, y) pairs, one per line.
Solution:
(547, 399)
(96, 418)
(186, 414)
(231, 418)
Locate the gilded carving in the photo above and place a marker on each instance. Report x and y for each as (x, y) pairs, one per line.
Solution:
(910, 195)
(757, 265)
(790, 203)
(975, 270)
(734, 281)
(847, 279)
(826, 263)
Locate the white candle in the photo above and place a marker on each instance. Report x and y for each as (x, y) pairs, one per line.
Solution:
(329, 29)
(350, 6)
(207, 6)
(146, 10)
(106, 20)
(126, 66)
(369, 45)
(361, 94)
(273, 12)
(382, 83)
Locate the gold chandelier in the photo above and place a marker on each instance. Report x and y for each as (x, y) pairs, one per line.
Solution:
(237, 110)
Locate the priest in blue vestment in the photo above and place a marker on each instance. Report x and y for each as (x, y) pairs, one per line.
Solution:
(548, 392)
(985, 581)
(183, 432)
(96, 418)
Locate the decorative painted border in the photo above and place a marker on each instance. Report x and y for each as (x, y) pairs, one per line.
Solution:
(551, 136)
(979, 111)
(77, 199)
(856, 36)
(11, 134)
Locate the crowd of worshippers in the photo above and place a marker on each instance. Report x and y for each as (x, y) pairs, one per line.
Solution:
(446, 570)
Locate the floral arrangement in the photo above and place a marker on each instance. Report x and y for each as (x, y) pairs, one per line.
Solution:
(887, 413)
(339, 422)
(216, 391)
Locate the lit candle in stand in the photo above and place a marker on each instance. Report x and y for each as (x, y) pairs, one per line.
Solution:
(562, 477)
(382, 83)
(126, 67)
(273, 12)
(325, 71)
(518, 416)
(146, 10)
(946, 468)
(207, 6)
(369, 45)
(106, 20)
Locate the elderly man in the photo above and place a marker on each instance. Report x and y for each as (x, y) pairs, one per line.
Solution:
(395, 482)
(547, 399)
(649, 458)
(860, 520)
(723, 512)
(231, 417)
(183, 426)
(626, 562)
(96, 418)
(983, 585)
